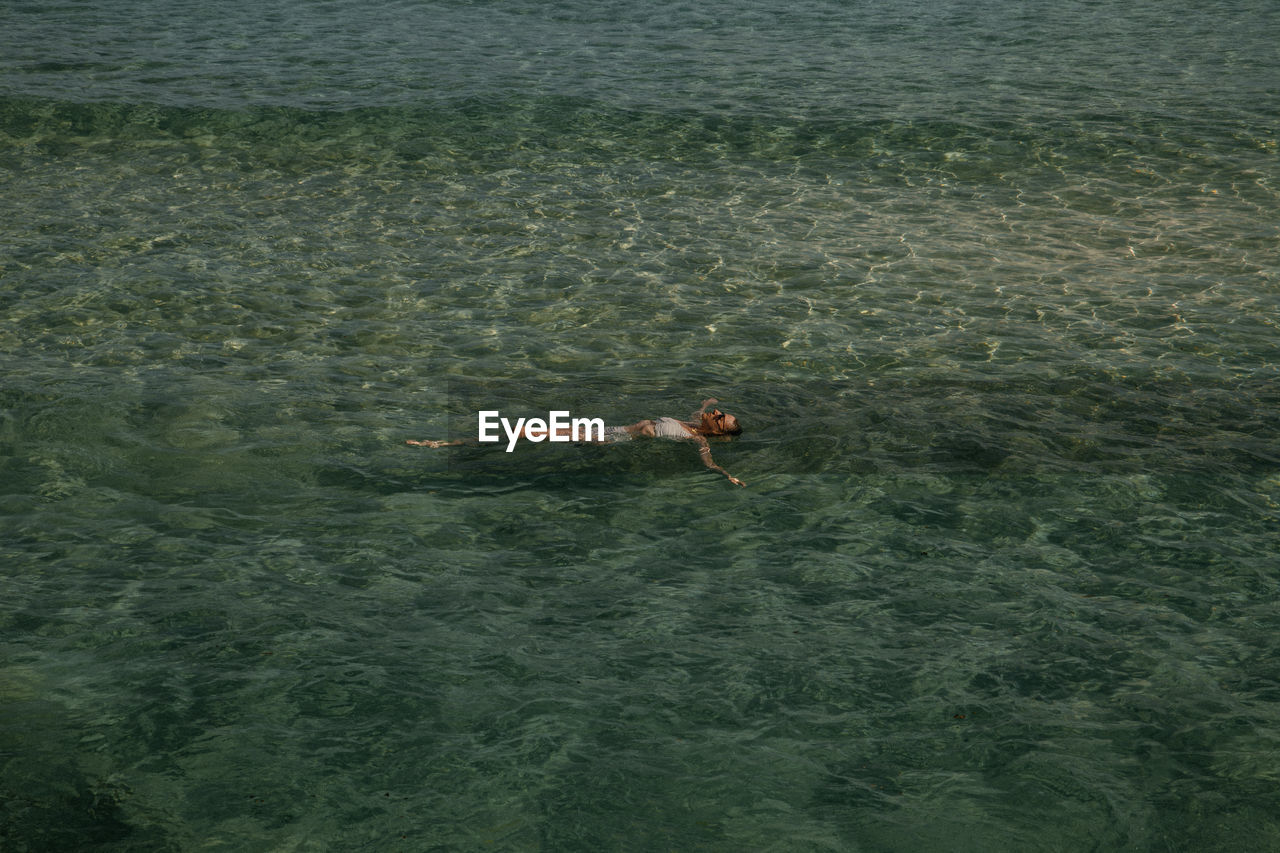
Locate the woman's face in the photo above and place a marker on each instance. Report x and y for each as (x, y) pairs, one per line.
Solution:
(717, 422)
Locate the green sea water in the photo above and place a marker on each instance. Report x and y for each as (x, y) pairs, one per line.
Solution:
(992, 291)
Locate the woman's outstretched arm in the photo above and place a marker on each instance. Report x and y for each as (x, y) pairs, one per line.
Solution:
(710, 401)
(704, 451)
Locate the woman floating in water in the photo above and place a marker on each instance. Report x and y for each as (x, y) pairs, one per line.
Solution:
(700, 425)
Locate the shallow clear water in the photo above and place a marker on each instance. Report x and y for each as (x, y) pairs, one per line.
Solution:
(994, 294)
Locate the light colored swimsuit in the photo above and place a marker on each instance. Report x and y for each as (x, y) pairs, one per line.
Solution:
(670, 428)
(662, 428)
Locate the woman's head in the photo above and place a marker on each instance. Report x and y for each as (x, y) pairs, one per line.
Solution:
(716, 422)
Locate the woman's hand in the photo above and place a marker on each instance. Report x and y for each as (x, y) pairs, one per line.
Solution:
(710, 401)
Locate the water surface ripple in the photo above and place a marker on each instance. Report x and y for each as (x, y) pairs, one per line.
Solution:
(993, 292)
